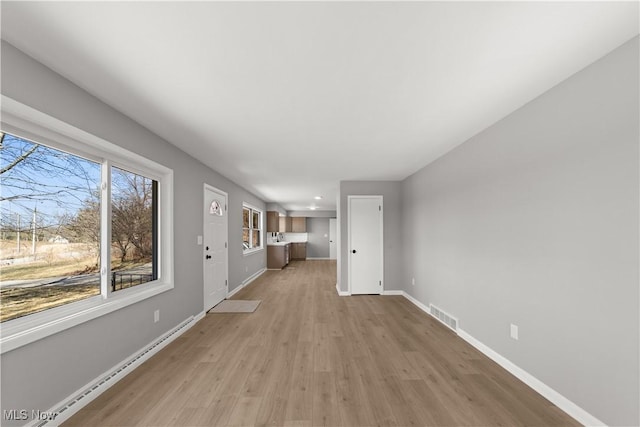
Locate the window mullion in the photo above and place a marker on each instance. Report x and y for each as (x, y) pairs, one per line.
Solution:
(105, 230)
(251, 225)
(155, 200)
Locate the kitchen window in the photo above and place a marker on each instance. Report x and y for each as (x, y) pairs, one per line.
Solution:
(251, 228)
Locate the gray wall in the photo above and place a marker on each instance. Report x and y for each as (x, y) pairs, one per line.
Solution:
(390, 191)
(317, 243)
(535, 222)
(39, 375)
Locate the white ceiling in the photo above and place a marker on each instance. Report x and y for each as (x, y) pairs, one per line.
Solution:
(287, 99)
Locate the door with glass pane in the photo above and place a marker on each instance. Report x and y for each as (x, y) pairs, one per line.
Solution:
(215, 251)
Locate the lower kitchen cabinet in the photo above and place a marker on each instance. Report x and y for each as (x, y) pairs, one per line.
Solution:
(278, 256)
(299, 251)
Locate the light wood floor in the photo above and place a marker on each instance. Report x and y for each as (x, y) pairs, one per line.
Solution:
(309, 357)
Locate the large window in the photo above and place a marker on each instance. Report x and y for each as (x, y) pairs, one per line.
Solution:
(50, 222)
(251, 228)
(85, 226)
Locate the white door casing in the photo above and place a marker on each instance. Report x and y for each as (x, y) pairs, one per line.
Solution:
(365, 244)
(333, 238)
(215, 252)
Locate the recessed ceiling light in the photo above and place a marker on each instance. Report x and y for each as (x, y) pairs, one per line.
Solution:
(313, 208)
(318, 197)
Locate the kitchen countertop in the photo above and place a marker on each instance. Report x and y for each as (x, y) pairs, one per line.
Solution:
(281, 243)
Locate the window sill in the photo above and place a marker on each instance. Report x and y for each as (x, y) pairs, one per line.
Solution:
(22, 331)
(253, 251)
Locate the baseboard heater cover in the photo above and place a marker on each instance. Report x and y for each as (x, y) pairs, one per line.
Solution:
(79, 400)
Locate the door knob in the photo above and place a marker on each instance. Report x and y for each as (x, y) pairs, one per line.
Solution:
(208, 257)
(353, 251)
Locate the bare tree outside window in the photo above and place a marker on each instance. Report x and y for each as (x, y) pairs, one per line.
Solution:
(49, 212)
(50, 228)
(132, 224)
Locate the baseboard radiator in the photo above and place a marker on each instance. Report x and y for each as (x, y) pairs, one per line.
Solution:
(81, 399)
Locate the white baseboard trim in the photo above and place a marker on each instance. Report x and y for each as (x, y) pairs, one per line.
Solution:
(246, 282)
(390, 292)
(317, 258)
(570, 408)
(342, 293)
(417, 303)
(68, 407)
(544, 390)
(197, 318)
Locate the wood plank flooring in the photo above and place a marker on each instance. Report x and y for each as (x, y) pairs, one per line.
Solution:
(307, 357)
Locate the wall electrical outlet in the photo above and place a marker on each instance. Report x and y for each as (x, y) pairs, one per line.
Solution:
(514, 331)
(413, 281)
(156, 316)
(199, 240)
(246, 269)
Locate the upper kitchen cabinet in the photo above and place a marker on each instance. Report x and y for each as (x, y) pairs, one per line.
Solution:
(298, 224)
(288, 224)
(285, 224)
(273, 222)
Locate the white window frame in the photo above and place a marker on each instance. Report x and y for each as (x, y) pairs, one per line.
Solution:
(26, 122)
(260, 228)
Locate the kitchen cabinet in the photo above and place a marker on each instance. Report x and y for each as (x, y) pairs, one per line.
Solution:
(278, 256)
(285, 224)
(288, 224)
(273, 222)
(299, 251)
(298, 224)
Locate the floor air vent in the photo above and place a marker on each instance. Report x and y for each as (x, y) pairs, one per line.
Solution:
(116, 374)
(448, 320)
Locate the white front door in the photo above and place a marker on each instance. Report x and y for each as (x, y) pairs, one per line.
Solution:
(333, 247)
(366, 253)
(215, 251)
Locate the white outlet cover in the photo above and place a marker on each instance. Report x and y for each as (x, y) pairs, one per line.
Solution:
(413, 280)
(514, 331)
(199, 240)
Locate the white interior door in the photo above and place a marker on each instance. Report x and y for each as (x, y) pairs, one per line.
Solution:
(366, 253)
(215, 251)
(333, 247)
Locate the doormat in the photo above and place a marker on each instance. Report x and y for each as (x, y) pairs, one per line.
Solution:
(236, 306)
